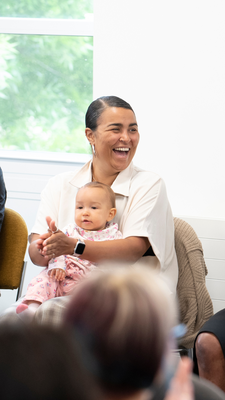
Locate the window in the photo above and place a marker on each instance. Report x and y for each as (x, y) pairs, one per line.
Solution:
(46, 74)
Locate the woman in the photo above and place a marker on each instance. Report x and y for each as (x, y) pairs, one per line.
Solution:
(143, 212)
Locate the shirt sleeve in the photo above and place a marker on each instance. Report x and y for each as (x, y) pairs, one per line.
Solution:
(149, 215)
(49, 205)
(57, 262)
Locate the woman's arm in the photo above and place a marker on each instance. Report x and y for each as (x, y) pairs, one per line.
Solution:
(35, 251)
(129, 249)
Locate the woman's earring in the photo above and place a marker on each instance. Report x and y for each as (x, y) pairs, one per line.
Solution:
(93, 149)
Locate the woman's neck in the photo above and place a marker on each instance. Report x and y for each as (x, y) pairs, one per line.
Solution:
(101, 176)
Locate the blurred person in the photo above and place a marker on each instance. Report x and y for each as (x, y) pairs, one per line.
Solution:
(94, 211)
(42, 363)
(3, 196)
(209, 350)
(124, 321)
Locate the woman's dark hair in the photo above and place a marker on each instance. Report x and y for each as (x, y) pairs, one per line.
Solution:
(97, 107)
(40, 362)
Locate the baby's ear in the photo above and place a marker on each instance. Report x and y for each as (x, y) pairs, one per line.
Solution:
(112, 214)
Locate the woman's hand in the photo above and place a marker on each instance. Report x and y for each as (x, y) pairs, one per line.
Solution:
(58, 273)
(55, 243)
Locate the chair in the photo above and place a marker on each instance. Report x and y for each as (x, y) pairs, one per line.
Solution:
(13, 244)
(195, 304)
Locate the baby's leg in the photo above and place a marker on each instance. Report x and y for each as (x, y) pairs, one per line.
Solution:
(27, 310)
(27, 304)
(40, 289)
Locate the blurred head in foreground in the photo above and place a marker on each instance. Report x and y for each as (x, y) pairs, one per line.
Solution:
(124, 318)
(38, 362)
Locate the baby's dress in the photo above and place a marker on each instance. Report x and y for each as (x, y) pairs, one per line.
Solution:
(42, 287)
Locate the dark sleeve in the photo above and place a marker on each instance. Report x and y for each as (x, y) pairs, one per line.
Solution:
(2, 198)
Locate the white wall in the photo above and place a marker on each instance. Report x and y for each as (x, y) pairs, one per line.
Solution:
(167, 58)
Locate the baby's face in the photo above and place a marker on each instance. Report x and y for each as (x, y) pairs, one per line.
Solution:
(92, 208)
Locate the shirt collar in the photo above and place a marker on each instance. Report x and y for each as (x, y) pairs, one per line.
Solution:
(120, 186)
(83, 176)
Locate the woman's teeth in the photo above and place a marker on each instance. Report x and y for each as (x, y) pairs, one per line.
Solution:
(122, 149)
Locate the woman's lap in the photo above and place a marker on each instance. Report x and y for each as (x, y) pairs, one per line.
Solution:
(51, 312)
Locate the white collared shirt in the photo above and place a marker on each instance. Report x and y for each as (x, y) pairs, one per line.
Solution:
(142, 206)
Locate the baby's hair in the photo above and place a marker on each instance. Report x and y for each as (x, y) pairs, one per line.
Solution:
(106, 188)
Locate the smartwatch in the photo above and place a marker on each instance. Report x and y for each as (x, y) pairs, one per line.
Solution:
(79, 248)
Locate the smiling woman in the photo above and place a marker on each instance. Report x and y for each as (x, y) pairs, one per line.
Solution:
(143, 212)
(115, 139)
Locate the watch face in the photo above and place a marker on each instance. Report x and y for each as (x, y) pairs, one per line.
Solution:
(80, 248)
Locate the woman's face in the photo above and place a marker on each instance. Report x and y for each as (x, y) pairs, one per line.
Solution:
(115, 139)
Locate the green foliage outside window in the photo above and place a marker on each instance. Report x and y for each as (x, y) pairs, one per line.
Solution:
(45, 83)
(46, 8)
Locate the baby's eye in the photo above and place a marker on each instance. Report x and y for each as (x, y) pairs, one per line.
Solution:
(94, 208)
(79, 208)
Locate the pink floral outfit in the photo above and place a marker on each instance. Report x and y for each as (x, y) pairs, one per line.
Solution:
(43, 287)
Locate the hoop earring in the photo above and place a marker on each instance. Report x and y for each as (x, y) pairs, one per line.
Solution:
(93, 149)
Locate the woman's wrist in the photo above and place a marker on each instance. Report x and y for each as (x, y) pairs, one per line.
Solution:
(35, 255)
(73, 243)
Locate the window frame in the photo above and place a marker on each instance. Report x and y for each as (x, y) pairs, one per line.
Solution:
(45, 26)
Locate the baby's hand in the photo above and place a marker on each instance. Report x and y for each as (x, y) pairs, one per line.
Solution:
(58, 273)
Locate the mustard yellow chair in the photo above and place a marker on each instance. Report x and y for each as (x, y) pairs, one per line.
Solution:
(13, 244)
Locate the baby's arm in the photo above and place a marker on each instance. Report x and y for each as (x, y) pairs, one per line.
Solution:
(57, 268)
(58, 273)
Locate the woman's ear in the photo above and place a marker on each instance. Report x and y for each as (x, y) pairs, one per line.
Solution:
(89, 135)
(112, 214)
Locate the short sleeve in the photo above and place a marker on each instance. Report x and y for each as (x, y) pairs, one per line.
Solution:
(48, 206)
(148, 214)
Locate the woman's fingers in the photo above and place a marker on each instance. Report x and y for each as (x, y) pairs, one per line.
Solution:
(57, 245)
(45, 236)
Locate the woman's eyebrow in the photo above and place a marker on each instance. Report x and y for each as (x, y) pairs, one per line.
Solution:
(118, 124)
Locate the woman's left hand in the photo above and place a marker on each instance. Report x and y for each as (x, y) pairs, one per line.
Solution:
(57, 244)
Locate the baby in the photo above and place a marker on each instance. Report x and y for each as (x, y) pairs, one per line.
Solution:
(95, 209)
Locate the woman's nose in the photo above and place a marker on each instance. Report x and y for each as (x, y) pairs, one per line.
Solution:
(124, 137)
